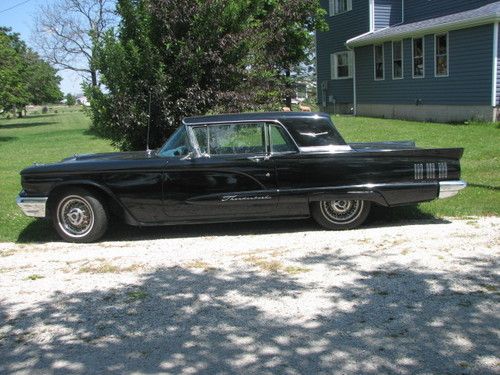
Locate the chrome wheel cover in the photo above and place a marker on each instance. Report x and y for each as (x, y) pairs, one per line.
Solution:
(341, 211)
(75, 216)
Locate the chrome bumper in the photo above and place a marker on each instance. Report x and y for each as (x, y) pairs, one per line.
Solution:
(34, 207)
(450, 188)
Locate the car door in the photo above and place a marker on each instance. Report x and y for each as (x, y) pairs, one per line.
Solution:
(230, 176)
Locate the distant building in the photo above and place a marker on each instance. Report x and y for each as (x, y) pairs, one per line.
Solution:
(434, 60)
(82, 100)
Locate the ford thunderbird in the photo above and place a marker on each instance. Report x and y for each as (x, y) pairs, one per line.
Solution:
(240, 167)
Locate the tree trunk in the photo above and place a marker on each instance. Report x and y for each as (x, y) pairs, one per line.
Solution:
(93, 74)
(288, 86)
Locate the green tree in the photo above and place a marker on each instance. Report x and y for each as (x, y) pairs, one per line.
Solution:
(24, 77)
(285, 44)
(42, 80)
(190, 57)
(70, 100)
(13, 87)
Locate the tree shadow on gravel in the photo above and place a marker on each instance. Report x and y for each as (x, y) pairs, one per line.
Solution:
(178, 320)
(40, 231)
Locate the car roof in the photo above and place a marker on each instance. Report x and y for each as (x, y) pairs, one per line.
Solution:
(255, 116)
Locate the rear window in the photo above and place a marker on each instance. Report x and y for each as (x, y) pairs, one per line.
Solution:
(314, 132)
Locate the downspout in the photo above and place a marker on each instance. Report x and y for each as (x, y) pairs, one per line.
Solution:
(494, 64)
(355, 98)
(402, 11)
(372, 15)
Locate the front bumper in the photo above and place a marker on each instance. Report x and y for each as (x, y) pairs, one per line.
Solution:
(33, 207)
(450, 188)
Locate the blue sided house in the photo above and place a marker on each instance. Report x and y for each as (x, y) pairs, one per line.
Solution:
(426, 60)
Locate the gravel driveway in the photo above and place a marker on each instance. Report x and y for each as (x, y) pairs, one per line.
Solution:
(409, 298)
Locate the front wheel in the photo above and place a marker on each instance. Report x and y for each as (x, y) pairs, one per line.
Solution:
(79, 216)
(340, 214)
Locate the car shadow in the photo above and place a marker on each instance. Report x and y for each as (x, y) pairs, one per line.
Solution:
(27, 125)
(41, 231)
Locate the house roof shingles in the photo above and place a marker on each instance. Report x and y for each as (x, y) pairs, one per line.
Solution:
(480, 16)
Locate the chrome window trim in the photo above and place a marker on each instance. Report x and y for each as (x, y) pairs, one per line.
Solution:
(327, 149)
(274, 121)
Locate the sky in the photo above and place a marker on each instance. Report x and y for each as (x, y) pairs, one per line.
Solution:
(21, 19)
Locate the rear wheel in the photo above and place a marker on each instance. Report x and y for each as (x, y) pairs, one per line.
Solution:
(79, 216)
(340, 214)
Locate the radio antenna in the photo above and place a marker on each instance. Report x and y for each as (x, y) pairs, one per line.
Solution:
(148, 150)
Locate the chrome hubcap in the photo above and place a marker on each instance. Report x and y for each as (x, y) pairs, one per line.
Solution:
(75, 216)
(341, 211)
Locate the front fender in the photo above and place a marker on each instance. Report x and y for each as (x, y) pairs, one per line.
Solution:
(103, 190)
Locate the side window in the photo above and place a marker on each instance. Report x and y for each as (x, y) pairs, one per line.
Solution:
(280, 141)
(234, 139)
(177, 145)
(201, 135)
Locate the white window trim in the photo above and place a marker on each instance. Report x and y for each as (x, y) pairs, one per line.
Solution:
(402, 60)
(333, 62)
(447, 56)
(413, 58)
(332, 5)
(375, 63)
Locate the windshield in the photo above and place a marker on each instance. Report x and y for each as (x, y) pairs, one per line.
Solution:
(314, 133)
(177, 145)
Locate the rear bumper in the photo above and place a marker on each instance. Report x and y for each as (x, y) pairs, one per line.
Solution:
(450, 188)
(33, 207)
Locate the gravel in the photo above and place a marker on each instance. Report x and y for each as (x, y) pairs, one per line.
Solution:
(415, 297)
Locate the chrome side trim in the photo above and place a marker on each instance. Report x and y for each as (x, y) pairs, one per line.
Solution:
(450, 188)
(431, 171)
(33, 207)
(329, 149)
(419, 171)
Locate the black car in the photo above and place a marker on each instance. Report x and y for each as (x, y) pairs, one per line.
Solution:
(241, 167)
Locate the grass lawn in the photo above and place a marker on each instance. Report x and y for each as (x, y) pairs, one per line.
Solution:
(40, 139)
(51, 137)
(480, 163)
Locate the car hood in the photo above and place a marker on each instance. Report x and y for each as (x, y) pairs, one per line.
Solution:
(111, 156)
(94, 162)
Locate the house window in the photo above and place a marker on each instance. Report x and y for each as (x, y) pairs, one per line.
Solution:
(441, 55)
(340, 6)
(342, 65)
(397, 60)
(378, 59)
(418, 58)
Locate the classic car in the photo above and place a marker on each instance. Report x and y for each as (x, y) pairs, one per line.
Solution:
(238, 167)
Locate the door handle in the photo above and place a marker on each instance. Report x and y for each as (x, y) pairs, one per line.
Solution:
(259, 158)
(256, 159)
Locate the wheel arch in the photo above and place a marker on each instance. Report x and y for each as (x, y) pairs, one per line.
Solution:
(107, 197)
